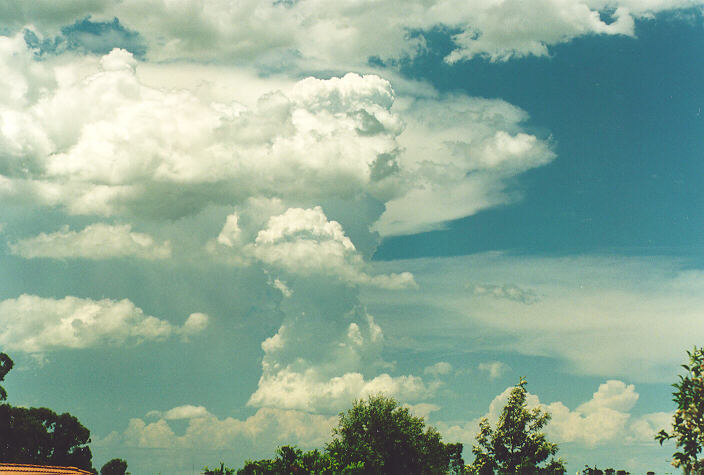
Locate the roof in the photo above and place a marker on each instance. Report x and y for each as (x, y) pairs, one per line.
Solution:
(23, 469)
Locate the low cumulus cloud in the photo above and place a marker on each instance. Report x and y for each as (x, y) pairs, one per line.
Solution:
(605, 418)
(96, 241)
(328, 377)
(204, 430)
(493, 369)
(440, 368)
(34, 324)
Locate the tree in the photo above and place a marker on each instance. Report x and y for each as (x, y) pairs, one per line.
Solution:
(375, 436)
(688, 421)
(289, 459)
(223, 470)
(607, 471)
(379, 436)
(5, 367)
(114, 467)
(39, 435)
(517, 445)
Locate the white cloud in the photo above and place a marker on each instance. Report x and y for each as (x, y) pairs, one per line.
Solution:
(422, 409)
(301, 242)
(204, 430)
(194, 324)
(188, 411)
(494, 369)
(603, 419)
(311, 391)
(327, 377)
(34, 324)
(440, 368)
(90, 137)
(105, 143)
(304, 241)
(612, 317)
(459, 153)
(96, 241)
(321, 34)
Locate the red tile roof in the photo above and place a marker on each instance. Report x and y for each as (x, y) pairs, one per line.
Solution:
(22, 469)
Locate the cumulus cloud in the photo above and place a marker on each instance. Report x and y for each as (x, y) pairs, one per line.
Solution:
(312, 391)
(321, 33)
(205, 430)
(93, 138)
(304, 241)
(440, 368)
(188, 411)
(96, 241)
(33, 324)
(301, 242)
(494, 369)
(328, 378)
(133, 149)
(603, 419)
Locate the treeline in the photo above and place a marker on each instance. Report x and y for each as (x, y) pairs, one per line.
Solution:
(40, 436)
(378, 436)
(375, 436)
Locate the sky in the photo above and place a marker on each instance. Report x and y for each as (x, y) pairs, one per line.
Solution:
(223, 222)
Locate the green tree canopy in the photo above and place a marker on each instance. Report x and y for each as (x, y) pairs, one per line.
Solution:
(114, 467)
(289, 459)
(39, 435)
(688, 421)
(376, 436)
(383, 437)
(5, 367)
(517, 444)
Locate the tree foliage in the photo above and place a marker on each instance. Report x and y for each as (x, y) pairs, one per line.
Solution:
(517, 444)
(384, 437)
(376, 435)
(39, 435)
(223, 470)
(688, 421)
(607, 471)
(114, 467)
(289, 459)
(5, 367)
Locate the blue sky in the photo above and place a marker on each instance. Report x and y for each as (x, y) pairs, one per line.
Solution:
(222, 223)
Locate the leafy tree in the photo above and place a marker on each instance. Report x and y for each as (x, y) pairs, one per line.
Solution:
(379, 436)
(607, 471)
(114, 467)
(289, 460)
(375, 436)
(5, 367)
(223, 470)
(39, 435)
(688, 421)
(517, 445)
